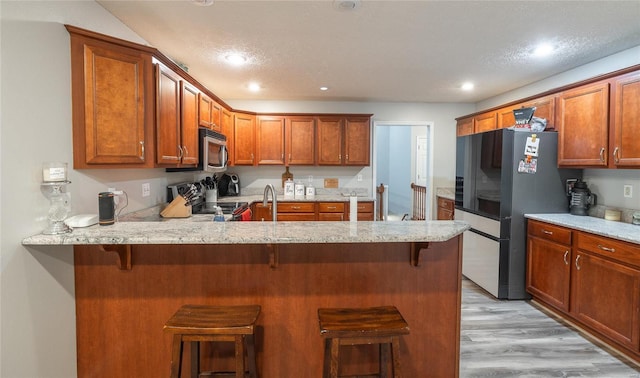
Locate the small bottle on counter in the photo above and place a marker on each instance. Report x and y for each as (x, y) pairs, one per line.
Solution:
(219, 216)
(299, 190)
(289, 189)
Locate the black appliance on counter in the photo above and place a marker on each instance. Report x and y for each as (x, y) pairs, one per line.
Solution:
(199, 205)
(229, 185)
(493, 195)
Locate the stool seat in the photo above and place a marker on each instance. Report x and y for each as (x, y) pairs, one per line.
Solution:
(354, 326)
(203, 323)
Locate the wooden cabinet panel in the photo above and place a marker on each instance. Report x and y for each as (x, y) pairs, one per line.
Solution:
(606, 297)
(464, 126)
(331, 211)
(226, 121)
(112, 91)
(545, 108)
(209, 113)
(625, 126)
(357, 141)
(549, 271)
(619, 251)
(167, 116)
(550, 232)
(484, 122)
(189, 124)
(329, 141)
(445, 208)
(365, 211)
(244, 139)
(270, 140)
(583, 124)
(300, 136)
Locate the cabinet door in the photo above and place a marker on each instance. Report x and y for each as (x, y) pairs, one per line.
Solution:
(357, 141)
(205, 109)
(300, 137)
(109, 104)
(445, 209)
(226, 121)
(270, 140)
(606, 297)
(545, 108)
(548, 272)
(168, 149)
(189, 124)
(626, 121)
(484, 122)
(464, 127)
(583, 125)
(244, 139)
(329, 141)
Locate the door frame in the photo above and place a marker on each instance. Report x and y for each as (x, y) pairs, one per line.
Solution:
(429, 132)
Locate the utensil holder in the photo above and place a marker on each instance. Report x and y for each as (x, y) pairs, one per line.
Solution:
(178, 208)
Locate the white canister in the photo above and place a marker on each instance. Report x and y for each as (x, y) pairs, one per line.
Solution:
(289, 189)
(353, 207)
(299, 190)
(310, 192)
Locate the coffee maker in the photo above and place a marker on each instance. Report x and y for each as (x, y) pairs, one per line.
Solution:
(581, 198)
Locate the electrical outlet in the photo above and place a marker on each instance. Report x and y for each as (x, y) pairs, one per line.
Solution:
(146, 189)
(359, 177)
(628, 191)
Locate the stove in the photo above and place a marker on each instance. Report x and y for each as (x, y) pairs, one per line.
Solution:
(199, 206)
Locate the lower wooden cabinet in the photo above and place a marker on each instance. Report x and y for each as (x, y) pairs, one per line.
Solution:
(592, 280)
(445, 208)
(312, 211)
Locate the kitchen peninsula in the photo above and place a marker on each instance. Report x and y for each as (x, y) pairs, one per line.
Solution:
(132, 276)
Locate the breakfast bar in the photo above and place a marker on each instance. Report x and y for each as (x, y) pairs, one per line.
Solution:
(132, 276)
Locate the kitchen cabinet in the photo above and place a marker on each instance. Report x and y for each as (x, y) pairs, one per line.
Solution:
(549, 263)
(244, 139)
(209, 113)
(270, 135)
(176, 119)
(583, 126)
(287, 211)
(365, 211)
(464, 126)
(300, 136)
(331, 211)
(445, 208)
(545, 108)
(112, 97)
(226, 121)
(592, 280)
(484, 122)
(625, 126)
(343, 140)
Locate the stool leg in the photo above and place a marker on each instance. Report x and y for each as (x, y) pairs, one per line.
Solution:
(239, 348)
(195, 359)
(335, 357)
(385, 354)
(251, 355)
(395, 357)
(176, 356)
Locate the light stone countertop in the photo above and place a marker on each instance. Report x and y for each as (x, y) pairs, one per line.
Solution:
(615, 230)
(201, 230)
(448, 193)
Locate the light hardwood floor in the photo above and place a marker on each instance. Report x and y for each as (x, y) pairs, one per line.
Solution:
(515, 339)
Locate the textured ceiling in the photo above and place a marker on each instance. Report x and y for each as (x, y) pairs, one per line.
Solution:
(410, 51)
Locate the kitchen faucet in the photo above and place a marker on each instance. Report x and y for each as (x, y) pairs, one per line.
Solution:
(274, 207)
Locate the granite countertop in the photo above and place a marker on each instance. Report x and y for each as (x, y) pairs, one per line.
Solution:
(201, 230)
(615, 230)
(448, 193)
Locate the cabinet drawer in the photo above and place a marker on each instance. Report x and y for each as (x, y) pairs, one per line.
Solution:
(445, 203)
(610, 248)
(549, 232)
(296, 207)
(365, 207)
(331, 207)
(333, 217)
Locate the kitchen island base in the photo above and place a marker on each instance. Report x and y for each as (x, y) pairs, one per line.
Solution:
(121, 312)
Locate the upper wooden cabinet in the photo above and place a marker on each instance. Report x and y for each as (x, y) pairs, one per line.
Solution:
(625, 125)
(583, 126)
(112, 96)
(545, 108)
(210, 113)
(244, 139)
(464, 126)
(343, 140)
(484, 122)
(270, 140)
(176, 119)
(227, 129)
(300, 138)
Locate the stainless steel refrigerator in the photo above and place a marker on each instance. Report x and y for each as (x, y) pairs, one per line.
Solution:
(499, 178)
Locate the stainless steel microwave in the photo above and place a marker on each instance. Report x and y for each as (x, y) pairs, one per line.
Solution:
(213, 155)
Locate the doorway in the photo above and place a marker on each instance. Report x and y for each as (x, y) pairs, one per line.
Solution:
(401, 156)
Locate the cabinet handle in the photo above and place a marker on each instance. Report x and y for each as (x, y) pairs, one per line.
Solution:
(295, 207)
(577, 265)
(289, 156)
(616, 155)
(283, 156)
(331, 207)
(186, 152)
(602, 154)
(612, 250)
(142, 149)
(252, 158)
(566, 254)
(347, 157)
(181, 152)
(339, 156)
(547, 232)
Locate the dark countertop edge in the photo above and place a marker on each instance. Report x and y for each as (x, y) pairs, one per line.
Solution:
(598, 226)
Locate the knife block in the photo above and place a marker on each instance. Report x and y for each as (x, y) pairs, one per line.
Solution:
(178, 208)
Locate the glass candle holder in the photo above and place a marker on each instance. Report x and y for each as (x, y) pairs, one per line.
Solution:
(54, 172)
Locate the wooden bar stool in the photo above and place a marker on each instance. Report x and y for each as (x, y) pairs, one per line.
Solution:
(196, 323)
(355, 326)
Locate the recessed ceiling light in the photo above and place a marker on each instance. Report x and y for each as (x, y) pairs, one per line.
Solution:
(203, 3)
(467, 86)
(324, 88)
(235, 59)
(543, 49)
(254, 87)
